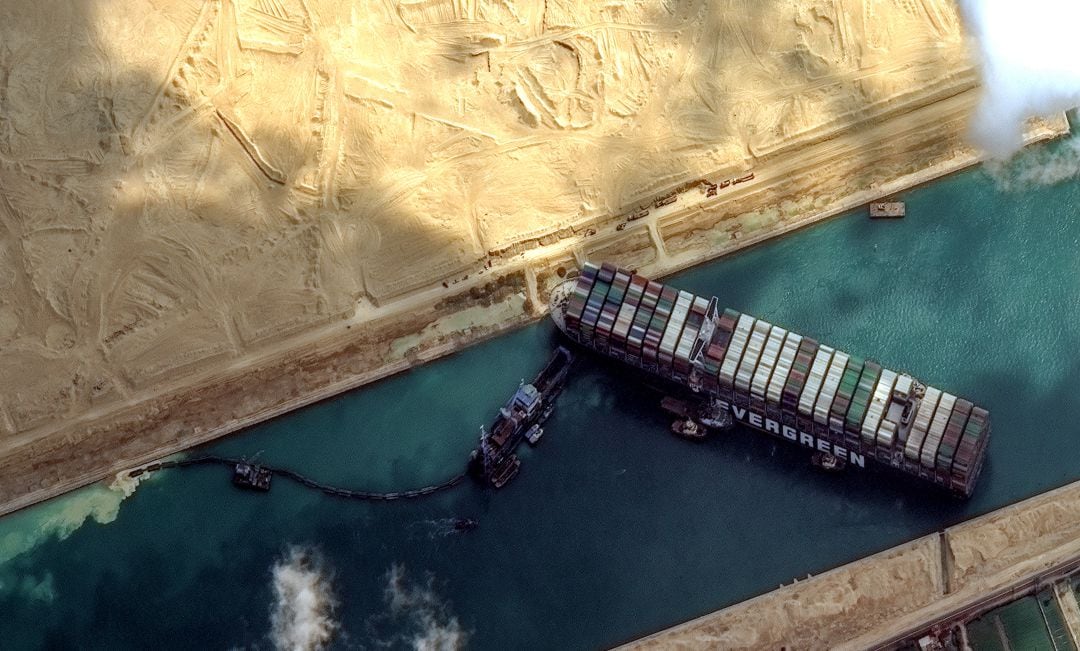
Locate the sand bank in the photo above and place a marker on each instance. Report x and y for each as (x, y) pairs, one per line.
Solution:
(874, 600)
(277, 202)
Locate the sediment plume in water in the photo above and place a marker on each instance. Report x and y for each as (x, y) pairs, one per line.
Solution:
(59, 518)
(303, 616)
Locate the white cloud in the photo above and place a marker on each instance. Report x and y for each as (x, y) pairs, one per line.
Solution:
(303, 616)
(1027, 62)
(432, 627)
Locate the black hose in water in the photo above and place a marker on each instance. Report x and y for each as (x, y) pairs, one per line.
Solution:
(306, 481)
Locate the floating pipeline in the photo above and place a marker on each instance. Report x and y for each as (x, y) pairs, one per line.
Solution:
(303, 480)
(777, 381)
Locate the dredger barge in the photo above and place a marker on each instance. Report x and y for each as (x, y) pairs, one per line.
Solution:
(777, 381)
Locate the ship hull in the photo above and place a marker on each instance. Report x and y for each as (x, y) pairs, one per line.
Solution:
(776, 381)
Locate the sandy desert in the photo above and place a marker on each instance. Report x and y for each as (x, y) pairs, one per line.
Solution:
(214, 211)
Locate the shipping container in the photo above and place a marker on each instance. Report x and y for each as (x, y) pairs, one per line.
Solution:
(953, 430)
(716, 350)
(580, 295)
(773, 345)
(973, 438)
(775, 380)
(859, 402)
(937, 429)
(626, 314)
(800, 368)
(659, 321)
(734, 354)
(673, 331)
(923, 416)
(844, 392)
(814, 379)
(596, 300)
(879, 400)
(690, 336)
(750, 358)
(611, 307)
(641, 320)
(783, 367)
(829, 387)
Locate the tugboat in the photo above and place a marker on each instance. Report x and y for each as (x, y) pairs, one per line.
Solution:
(828, 462)
(495, 461)
(694, 422)
(689, 429)
(714, 416)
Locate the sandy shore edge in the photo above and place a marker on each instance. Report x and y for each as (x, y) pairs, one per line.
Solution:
(881, 598)
(419, 349)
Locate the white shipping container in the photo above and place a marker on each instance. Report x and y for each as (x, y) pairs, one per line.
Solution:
(735, 349)
(937, 429)
(886, 434)
(689, 335)
(814, 379)
(783, 367)
(880, 398)
(675, 323)
(768, 362)
(753, 353)
(925, 412)
(903, 386)
(829, 387)
(623, 321)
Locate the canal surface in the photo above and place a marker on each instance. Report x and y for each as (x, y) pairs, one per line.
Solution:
(614, 527)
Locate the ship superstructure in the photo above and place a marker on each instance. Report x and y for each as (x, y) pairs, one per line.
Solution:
(777, 381)
(495, 461)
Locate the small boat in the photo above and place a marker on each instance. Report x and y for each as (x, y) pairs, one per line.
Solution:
(465, 524)
(689, 429)
(714, 416)
(534, 434)
(828, 462)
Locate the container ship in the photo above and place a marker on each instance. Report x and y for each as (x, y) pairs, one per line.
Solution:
(779, 382)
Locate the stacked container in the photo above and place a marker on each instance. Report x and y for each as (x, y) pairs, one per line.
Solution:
(796, 387)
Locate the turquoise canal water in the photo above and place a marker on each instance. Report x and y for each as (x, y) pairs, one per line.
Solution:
(614, 528)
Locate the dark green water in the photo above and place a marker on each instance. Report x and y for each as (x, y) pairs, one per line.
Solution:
(1032, 623)
(614, 528)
